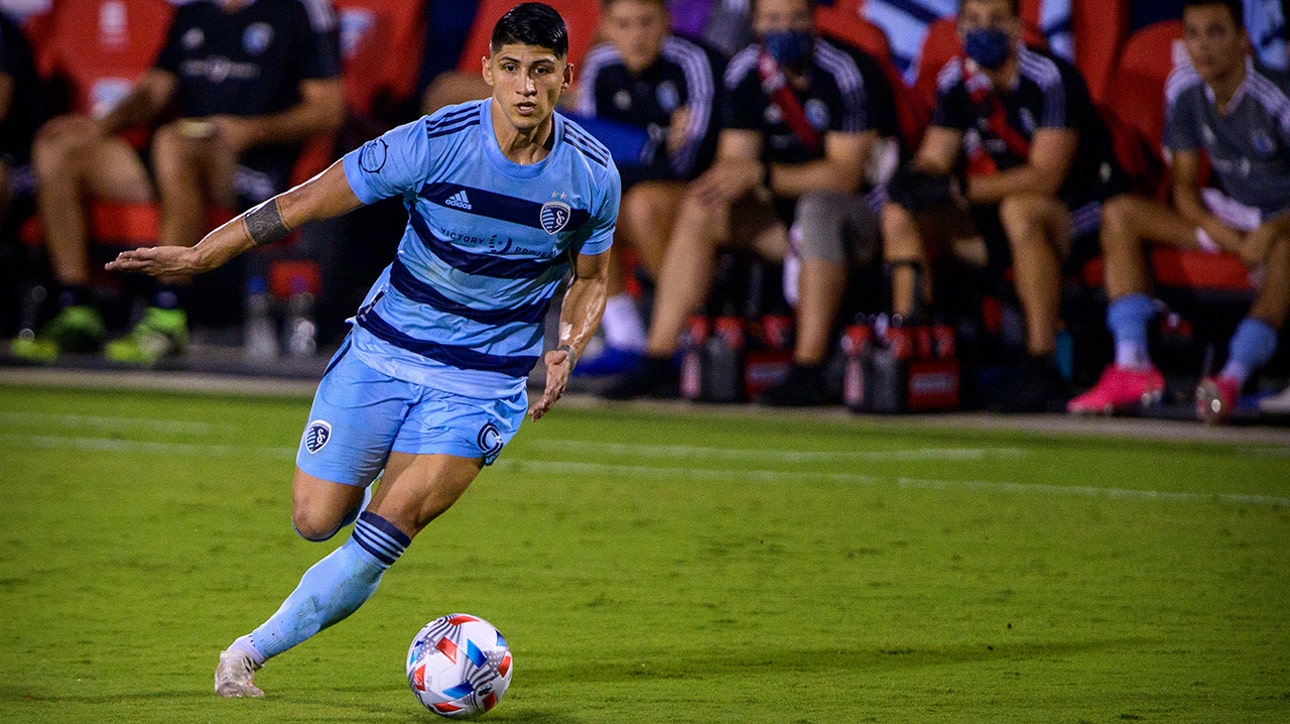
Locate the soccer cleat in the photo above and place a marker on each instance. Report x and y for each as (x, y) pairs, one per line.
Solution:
(1216, 398)
(77, 328)
(1037, 387)
(653, 377)
(803, 387)
(233, 674)
(161, 333)
(1118, 389)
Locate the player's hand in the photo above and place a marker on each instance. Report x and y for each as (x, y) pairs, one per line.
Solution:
(1257, 244)
(727, 181)
(558, 366)
(73, 126)
(158, 261)
(676, 138)
(1225, 236)
(235, 133)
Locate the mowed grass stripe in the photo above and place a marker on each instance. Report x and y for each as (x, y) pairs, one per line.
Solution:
(569, 467)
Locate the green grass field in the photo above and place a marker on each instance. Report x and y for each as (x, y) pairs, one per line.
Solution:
(649, 567)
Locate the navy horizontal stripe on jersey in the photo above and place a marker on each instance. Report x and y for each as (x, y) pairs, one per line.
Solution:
(458, 356)
(497, 206)
(407, 284)
(484, 265)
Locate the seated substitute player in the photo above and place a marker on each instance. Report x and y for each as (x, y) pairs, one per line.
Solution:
(647, 78)
(1239, 114)
(1037, 165)
(798, 132)
(503, 195)
(249, 81)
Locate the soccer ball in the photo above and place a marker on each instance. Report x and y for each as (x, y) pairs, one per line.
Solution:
(459, 666)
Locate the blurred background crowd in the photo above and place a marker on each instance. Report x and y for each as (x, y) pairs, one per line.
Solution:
(896, 204)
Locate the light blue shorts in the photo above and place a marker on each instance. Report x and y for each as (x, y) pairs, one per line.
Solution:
(360, 415)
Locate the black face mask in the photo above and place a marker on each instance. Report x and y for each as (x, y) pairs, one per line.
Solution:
(988, 47)
(789, 48)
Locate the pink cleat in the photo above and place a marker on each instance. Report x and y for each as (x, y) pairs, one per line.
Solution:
(1216, 398)
(1118, 389)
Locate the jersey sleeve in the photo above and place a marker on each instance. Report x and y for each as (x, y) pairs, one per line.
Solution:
(169, 57)
(953, 109)
(1062, 103)
(1181, 127)
(745, 102)
(393, 164)
(597, 235)
(322, 41)
(701, 72)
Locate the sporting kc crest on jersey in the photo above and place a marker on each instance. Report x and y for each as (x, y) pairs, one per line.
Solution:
(490, 440)
(372, 158)
(555, 215)
(317, 434)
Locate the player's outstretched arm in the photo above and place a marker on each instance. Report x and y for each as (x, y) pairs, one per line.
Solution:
(326, 195)
(584, 304)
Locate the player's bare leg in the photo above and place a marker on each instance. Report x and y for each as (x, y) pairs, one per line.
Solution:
(1128, 225)
(1038, 228)
(902, 249)
(415, 490)
(320, 508)
(72, 167)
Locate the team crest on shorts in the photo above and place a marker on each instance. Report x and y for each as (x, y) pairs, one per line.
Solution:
(317, 434)
(490, 440)
(555, 215)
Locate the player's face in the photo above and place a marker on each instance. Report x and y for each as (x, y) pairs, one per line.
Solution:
(1215, 43)
(637, 29)
(989, 15)
(527, 81)
(782, 15)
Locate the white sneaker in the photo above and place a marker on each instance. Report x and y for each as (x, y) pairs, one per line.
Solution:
(1278, 404)
(233, 674)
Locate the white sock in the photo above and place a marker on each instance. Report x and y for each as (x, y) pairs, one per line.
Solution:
(623, 326)
(1132, 355)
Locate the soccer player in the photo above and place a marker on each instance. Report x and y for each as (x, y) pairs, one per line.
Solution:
(794, 147)
(250, 81)
(1239, 114)
(650, 79)
(503, 197)
(1037, 166)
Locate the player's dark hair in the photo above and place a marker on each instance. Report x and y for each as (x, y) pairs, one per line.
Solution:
(1235, 7)
(531, 24)
(1014, 5)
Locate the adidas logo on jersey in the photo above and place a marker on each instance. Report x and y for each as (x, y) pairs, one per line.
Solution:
(459, 200)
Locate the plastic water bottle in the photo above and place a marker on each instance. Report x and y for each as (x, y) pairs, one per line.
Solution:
(301, 331)
(259, 333)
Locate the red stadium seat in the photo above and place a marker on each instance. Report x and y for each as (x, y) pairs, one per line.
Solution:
(1136, 93)
(583, 19)
(100, 47)
(377, 39)
(844, 23)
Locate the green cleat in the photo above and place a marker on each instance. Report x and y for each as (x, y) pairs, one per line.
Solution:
(76, 328)
(161, 333)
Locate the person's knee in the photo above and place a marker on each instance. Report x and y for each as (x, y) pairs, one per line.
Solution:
(1118, 221)
(55, 158)
(1023, 215)
(314, 526)
(900, 238)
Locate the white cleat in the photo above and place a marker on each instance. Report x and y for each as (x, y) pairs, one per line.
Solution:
(233, 675)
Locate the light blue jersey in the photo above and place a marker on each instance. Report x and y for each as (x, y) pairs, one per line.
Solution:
(487, 243)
